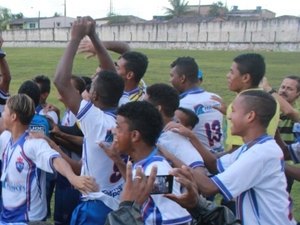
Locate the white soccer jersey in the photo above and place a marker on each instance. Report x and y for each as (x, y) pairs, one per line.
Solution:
(50, 114)
(96, 125)
(124, 99)
(209, 129)
(294, 150)
(24, 164)
(159, 209)
(256, 177)
(181, 147)
(69, 119)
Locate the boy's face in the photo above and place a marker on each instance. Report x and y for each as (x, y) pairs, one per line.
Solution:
(122, 135)
(175, 79)
(234, 78)
(121, 68)
(6, 116)
(182, 118)
(238, 117)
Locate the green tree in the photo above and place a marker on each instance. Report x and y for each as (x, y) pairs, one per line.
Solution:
(178, 8)
(56, 14)
(6, 16)
(217, 9)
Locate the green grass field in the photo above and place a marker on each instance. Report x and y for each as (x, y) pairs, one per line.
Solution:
(25, 63)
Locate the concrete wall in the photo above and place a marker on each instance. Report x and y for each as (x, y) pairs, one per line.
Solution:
(282, 34)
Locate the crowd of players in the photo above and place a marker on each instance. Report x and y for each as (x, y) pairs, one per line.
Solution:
(117, 134)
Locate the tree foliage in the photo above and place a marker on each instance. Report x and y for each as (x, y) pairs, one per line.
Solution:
(217, 9)
(6, 16)
(178, 8)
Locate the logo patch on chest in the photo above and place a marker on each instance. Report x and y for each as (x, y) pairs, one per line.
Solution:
(20, 164)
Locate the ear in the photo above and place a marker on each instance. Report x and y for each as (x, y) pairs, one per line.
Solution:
(182, 78)
(246, 78)
(135, 136)
(129, 75)
(13, 116)
(251, 116)
(159, 108)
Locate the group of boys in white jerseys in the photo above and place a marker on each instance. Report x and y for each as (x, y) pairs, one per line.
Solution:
(145, 133)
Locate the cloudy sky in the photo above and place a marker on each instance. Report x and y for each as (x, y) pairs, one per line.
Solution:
(141, 8)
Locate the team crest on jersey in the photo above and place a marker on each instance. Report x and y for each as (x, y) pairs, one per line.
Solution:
(20, 164)
(201, 109)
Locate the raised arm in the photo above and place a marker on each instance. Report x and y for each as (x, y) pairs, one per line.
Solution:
(86, 47)
(62, 79)
(5, 72)
(104, 58)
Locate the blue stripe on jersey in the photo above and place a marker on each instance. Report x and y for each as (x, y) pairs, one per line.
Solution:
(145, 163)
(3, 94)
(239, 206)
(84, 156)
(292, 154)
(14, 215)
(84, 110)
(220, 167)
(134, 91)
(227, 195)
(254, 204)
(196, 164)
(182, 220)
(150, 208)
(191, 91)
(32, 172)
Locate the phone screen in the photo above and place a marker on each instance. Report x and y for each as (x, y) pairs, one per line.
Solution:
(163, 184)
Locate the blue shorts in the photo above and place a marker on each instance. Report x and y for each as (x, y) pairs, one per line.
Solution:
(66, 200)
(92, 212)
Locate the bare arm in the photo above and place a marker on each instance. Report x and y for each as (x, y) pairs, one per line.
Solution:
(210, 160)
(5, 72)
(104, 58)
(62, 79)
(87, 47)
(292, 171)
(84, 184)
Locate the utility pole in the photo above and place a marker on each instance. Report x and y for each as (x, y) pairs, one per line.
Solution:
(199, 8)
(65, 8)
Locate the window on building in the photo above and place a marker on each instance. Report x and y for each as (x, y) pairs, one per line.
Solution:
(32, 25)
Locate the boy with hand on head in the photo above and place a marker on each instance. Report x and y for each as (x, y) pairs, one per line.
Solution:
(265, 185)
(186, 117)
(25, 162)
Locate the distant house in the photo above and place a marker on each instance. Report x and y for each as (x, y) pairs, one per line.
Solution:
(257, 13)
(56, 22)
(40, 22)
(24, 23)
(118, 19)
(200, 10)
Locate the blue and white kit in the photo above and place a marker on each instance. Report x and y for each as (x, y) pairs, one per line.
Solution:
(254, 174)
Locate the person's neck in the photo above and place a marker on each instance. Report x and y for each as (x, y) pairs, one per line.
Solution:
(130, 86)
(247, 87)
(189, 87)
(166, 119)
(141, 152)
(17, 131)
(253, 134)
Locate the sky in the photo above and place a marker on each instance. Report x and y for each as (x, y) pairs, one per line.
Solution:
(141, 8)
